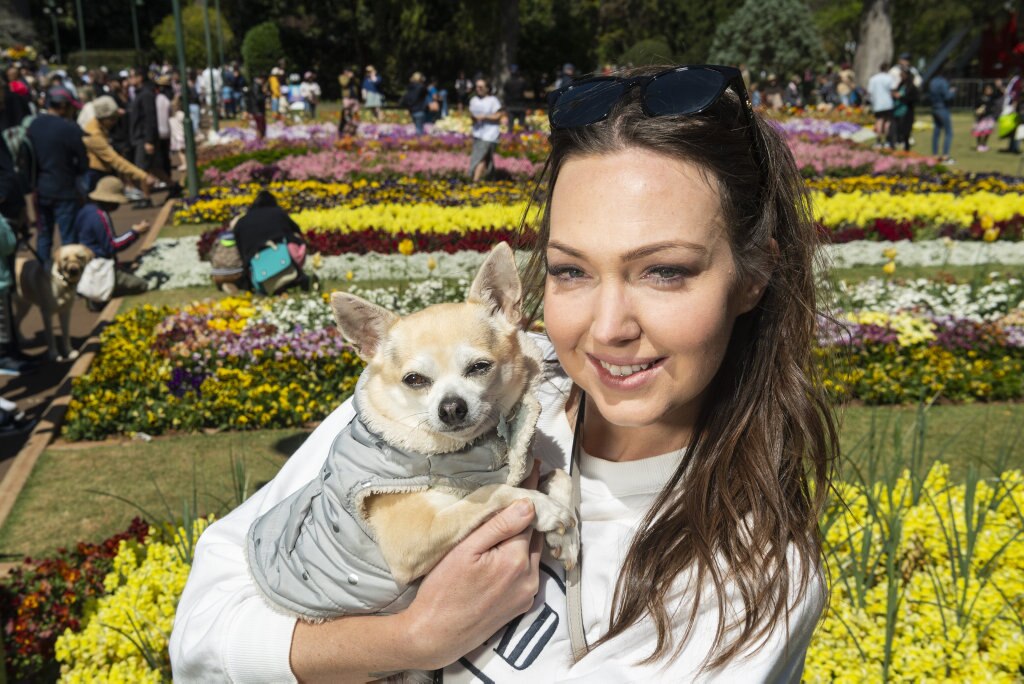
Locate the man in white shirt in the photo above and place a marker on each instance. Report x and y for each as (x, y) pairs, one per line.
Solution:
(487, 113)
(880, 87)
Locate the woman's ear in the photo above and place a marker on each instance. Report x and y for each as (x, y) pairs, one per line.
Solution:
(751, 291)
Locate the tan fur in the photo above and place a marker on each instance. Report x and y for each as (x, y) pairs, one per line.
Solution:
(53, 292)
(415, 530)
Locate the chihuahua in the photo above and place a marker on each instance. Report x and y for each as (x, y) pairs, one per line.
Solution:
(445, 412)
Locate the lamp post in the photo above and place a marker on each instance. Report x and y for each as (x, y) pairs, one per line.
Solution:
(220, 35)
(81, 26)
(190, 141)
(209, 66)
(135, 26)
(52, 9)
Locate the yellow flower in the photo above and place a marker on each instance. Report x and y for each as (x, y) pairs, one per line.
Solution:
(431, 264)
(890, 253)
(406, 247)
(991, 234)
(349, 275)
(317, 261)
(987, 221)
(889, 268)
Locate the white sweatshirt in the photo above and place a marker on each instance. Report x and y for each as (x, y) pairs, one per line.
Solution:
(224, 631)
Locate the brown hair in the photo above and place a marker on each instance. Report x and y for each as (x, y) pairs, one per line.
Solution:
(742, 508)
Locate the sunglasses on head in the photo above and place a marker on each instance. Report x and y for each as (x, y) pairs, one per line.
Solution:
(680, 90)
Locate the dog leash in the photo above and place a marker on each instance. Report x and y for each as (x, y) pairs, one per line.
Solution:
(573, 577)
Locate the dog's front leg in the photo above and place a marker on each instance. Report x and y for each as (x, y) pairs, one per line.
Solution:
(415, 531)
(65, 334)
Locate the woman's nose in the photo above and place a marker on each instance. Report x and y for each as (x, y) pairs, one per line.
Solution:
(614, 317)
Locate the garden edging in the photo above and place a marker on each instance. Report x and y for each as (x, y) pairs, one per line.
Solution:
(49, 425)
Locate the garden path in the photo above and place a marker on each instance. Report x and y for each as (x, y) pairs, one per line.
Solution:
(34, 392)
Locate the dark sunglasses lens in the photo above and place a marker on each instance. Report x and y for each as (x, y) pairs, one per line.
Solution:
(586, 103)
(684, 92)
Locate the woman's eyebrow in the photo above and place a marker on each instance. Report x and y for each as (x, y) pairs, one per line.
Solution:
(639, 252)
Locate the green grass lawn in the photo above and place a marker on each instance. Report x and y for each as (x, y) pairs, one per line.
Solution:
(963, 148)
(59, 505)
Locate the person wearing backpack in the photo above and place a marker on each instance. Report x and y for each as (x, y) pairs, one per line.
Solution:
(61, 159)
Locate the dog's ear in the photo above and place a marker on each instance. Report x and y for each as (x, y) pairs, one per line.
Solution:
(362, 323)
(497, 284)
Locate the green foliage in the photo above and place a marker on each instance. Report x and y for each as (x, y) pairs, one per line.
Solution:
(261, 48)
(778, 36)
(195, 35)
(267, 155)
(648, 51)
(112, 59)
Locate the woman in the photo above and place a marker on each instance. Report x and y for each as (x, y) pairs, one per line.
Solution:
(373, 98)
(675, 262)
(415, 101)
(266, 222)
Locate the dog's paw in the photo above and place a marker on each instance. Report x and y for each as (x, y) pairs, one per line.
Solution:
(562, 533)
(558, 485)
(565, 547)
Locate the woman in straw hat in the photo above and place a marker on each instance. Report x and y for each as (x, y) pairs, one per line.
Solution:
(95, 229)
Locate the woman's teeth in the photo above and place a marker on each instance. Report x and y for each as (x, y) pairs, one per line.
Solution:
(623, 371)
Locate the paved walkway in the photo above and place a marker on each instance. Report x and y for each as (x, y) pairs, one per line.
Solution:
(34, 392)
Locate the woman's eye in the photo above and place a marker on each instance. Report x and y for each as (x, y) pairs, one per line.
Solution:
(415, 380)
(565, 272)
(667, 274)
(479, 368)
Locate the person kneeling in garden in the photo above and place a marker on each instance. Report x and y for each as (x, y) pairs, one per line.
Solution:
(95, 230)
(266, 226)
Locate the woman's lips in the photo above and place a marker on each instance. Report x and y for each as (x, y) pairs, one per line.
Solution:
(625, 374)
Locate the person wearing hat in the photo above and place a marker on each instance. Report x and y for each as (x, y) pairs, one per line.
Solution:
(95, 230)
(164, 91)
(274, 85)
(373, 97)
(103, 158)
(60, 159)
(310, 91)
(144, 129)
(415, 100)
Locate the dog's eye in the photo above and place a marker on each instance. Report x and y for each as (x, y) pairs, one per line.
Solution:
(415, 380)
(479, 368)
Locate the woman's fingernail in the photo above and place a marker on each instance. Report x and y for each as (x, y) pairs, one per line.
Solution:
(524, 508)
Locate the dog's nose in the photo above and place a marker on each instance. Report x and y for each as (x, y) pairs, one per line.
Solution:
(452, 410)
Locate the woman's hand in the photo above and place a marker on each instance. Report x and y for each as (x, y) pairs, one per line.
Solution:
(487, 580)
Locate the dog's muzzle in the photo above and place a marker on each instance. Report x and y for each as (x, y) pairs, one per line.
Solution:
(453, 411)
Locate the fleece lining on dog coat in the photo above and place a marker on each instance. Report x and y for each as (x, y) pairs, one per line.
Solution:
(314, 554)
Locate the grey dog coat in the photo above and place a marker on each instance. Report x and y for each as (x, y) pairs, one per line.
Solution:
(314, 554)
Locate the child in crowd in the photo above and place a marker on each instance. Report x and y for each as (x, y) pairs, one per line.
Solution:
(985, 116)
(177, 124)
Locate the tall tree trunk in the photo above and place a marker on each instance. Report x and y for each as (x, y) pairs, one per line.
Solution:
(507, 49)
(874, 45)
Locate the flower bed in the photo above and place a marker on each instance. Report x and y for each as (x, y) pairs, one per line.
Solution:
(924, 573)
(246, 364)
(42, 598)
(339, 165)
(945, 252)
(171, 263)
(125, 637)
(926, 581)
(221, 203)
(236, 363)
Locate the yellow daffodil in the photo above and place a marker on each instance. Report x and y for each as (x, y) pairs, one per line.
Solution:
(889, 268)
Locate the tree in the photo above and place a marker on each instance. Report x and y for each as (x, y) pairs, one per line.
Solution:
(778, 36)
(261, 48)
(875, 44)
(195, 38)
(648, 51)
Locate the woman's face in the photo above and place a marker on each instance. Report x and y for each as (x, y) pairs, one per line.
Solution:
(641, 292)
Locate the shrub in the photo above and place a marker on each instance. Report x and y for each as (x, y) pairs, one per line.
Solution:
(195, 35)
(779, 36)
(261, 48)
